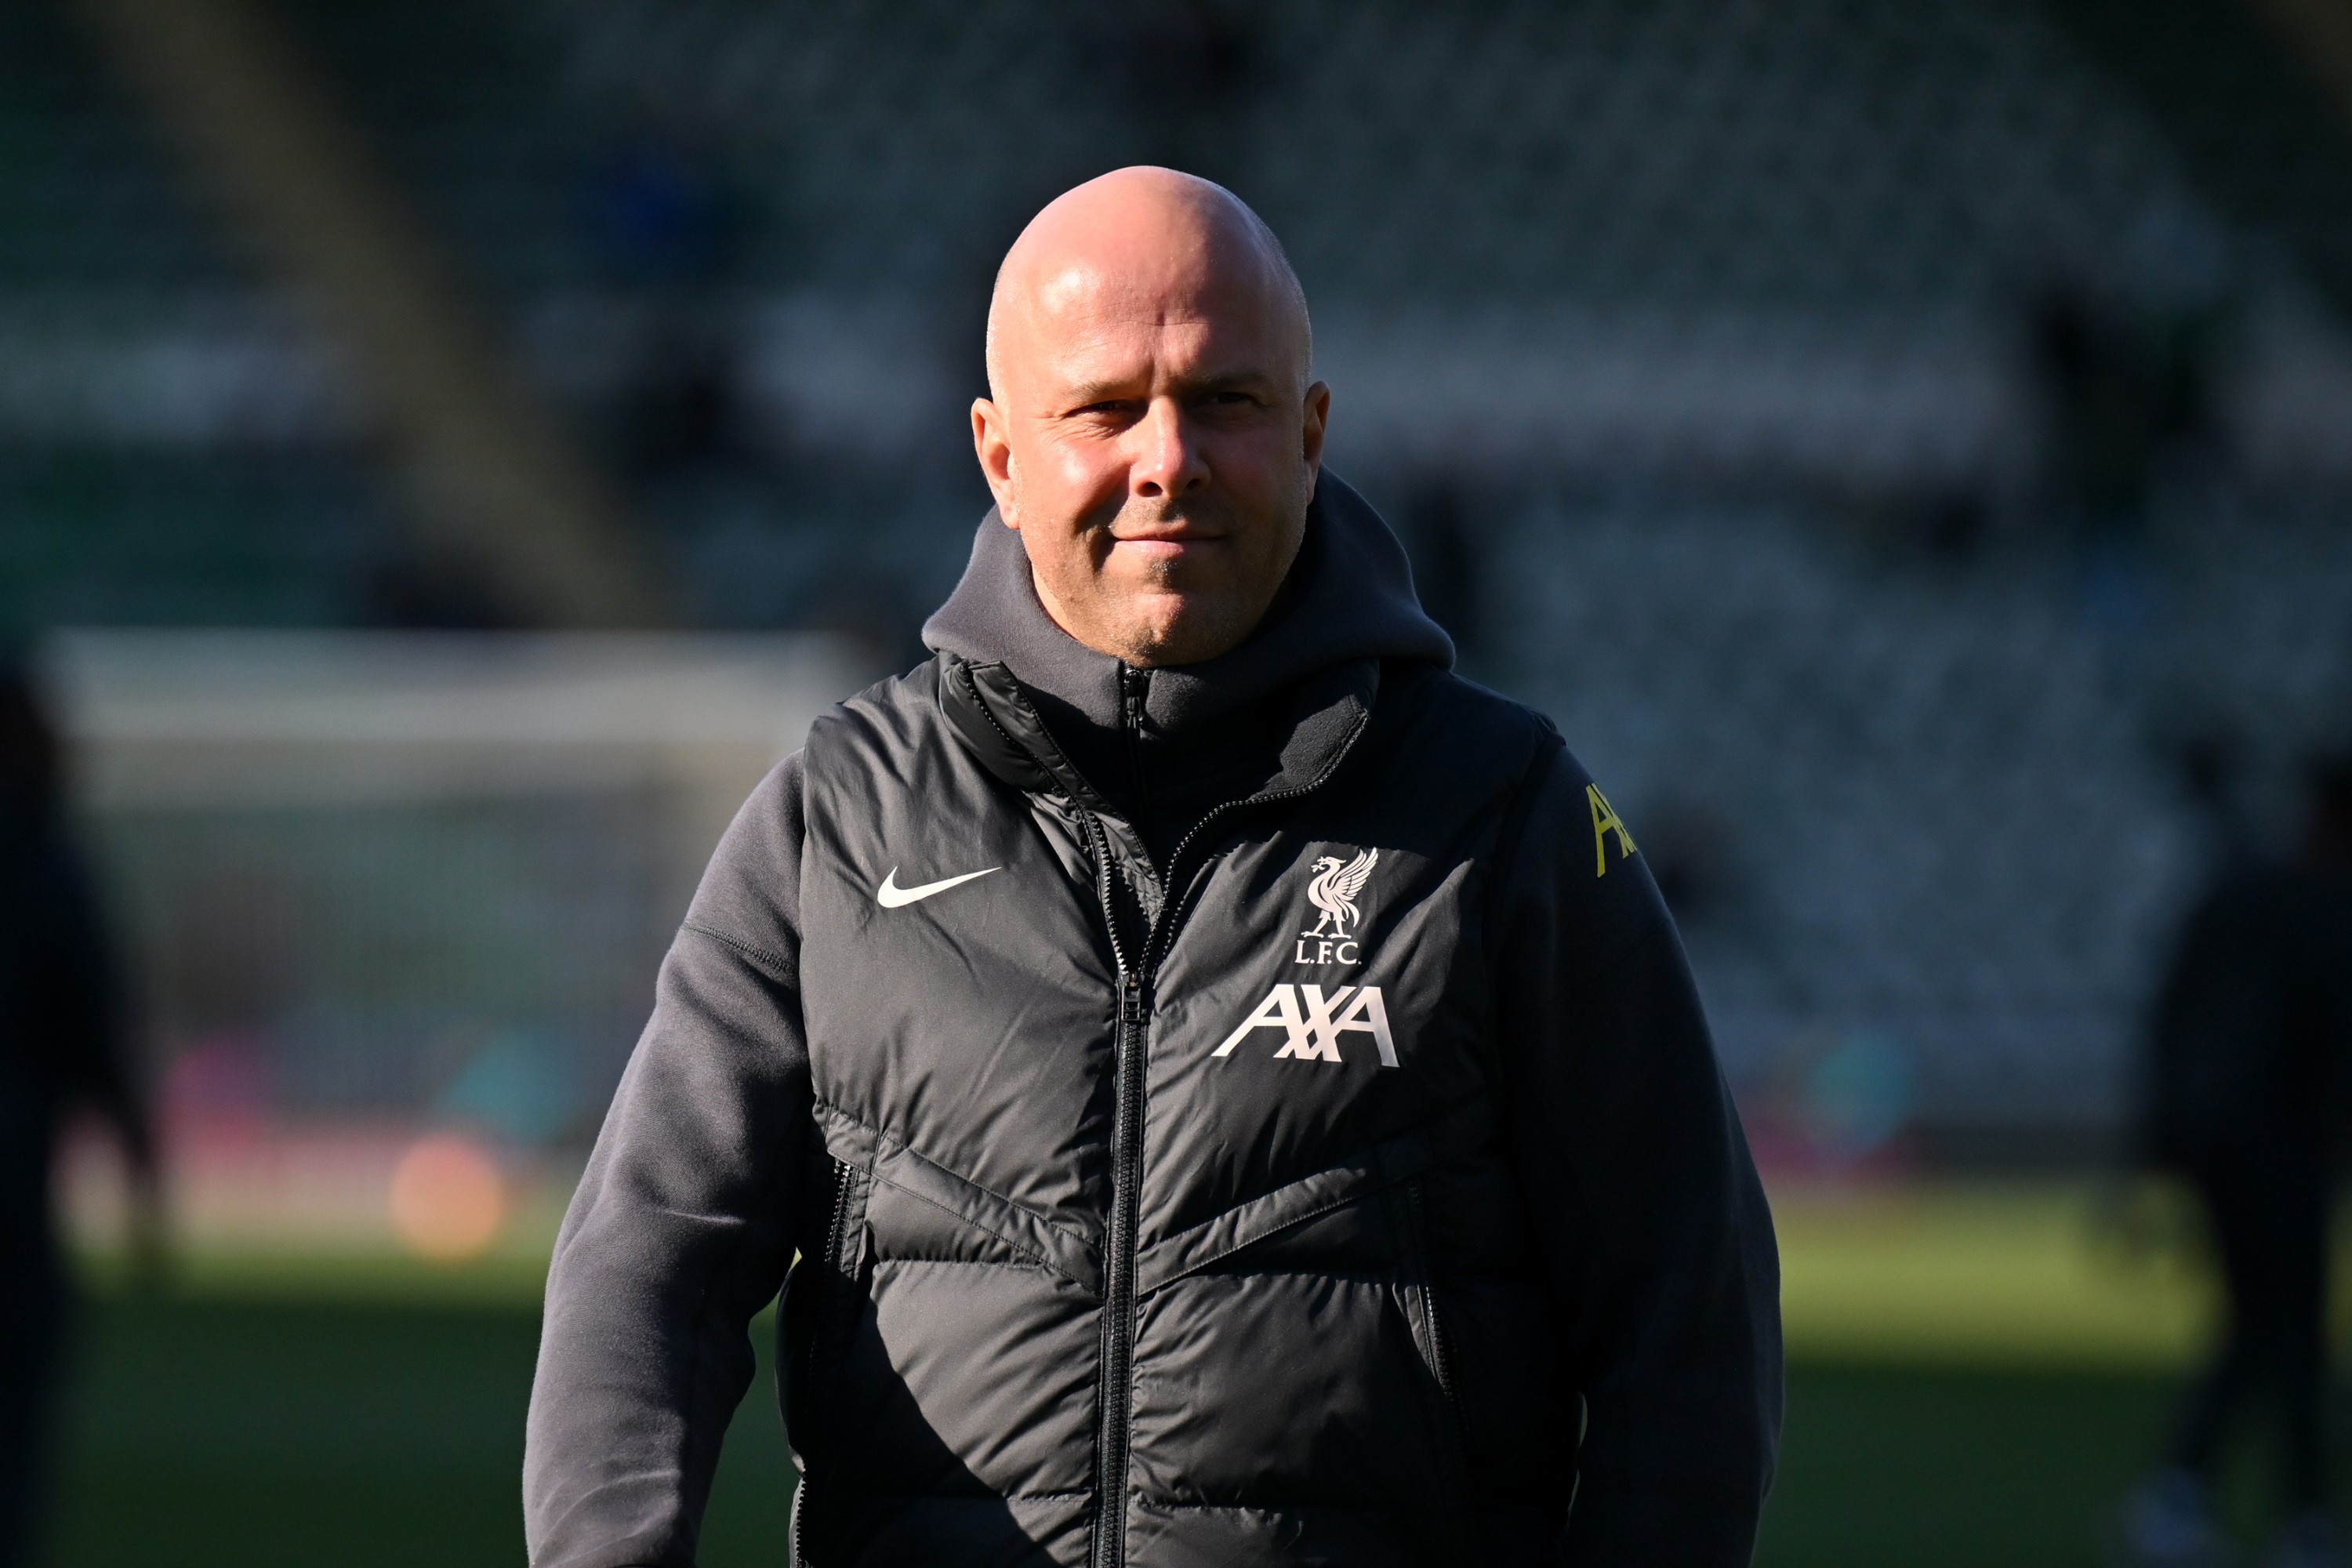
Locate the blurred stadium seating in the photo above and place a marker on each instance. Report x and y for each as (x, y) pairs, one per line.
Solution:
(1713, 358)
(1717, 323)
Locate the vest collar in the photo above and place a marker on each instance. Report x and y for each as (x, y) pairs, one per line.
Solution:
(1348, 596)
(994, 715)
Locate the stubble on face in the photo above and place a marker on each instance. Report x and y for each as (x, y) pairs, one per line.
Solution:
(1151, 431)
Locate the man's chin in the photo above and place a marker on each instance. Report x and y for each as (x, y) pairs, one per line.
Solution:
(1188, 629)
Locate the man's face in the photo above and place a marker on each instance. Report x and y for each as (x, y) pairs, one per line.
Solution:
(1152, 441)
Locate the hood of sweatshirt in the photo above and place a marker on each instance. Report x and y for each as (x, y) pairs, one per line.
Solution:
(1349, 597)
(1164, 746)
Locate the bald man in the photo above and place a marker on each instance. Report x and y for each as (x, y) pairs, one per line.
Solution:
(1225, 1091)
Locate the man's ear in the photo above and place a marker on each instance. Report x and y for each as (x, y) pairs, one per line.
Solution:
(1318, 413)
(995, 454)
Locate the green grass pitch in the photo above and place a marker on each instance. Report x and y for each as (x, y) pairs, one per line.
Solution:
(1973, 1383)
(268, 1434)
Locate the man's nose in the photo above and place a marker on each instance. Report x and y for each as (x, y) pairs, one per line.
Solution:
(1167, 460)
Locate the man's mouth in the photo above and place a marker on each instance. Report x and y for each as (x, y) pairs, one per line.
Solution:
(1167, 530)
(1166, 547)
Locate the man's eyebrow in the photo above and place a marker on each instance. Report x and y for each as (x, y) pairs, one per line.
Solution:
(1086, 393)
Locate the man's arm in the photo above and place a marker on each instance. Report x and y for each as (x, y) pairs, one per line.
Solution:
(82, 1013)
(1642, 1193)
(681, 1229)
(2205, 1075)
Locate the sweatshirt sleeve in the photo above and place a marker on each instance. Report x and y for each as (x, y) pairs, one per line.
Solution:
(681, 1229)
(1649, 1216)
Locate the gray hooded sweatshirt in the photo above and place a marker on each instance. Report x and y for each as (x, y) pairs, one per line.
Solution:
(1255, 1113)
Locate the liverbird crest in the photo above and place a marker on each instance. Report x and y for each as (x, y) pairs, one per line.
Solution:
(1333, 892)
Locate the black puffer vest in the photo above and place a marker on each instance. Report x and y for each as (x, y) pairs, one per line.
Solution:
(1169, 1222)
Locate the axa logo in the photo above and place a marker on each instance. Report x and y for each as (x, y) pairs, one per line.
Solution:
(1333, 892)
(1312, 1022)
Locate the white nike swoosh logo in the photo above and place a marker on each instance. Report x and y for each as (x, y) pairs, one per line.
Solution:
(891, 896)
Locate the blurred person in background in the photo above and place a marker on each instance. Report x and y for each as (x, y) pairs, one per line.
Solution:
(62, 1049)
(2243, 1098)
(2130, 374)
(1234, 1087)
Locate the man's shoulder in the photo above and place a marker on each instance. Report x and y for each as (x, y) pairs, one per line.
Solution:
(893, 712)
(914, 689)
(1477, 745)
(1473, 703)
(1470, 728)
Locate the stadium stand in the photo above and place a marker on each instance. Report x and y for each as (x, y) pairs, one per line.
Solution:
(1722, 318)
(147, 380)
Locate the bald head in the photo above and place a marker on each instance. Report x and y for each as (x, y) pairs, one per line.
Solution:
(1150, 430)
(1152, 237)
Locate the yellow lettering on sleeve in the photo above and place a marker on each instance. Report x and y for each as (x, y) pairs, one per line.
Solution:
(1605, 821)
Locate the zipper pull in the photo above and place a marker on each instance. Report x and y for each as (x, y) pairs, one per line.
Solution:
(1131, 1009)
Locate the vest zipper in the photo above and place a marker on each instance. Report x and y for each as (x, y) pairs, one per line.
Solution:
(1119, 1305)
(1134, 686)
(1129, 1069)
(1118, 1276)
